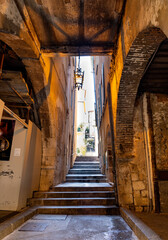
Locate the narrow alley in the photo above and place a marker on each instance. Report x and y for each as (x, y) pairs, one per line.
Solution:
(84, 204)
(84, 119)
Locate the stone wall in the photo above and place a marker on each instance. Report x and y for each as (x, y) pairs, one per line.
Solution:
(142, 30)
(132, 177)
(137, 177)
(138, 164)
(159, 107)
(134, 48)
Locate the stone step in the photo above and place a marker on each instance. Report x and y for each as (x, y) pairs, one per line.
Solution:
(83, 171)
(74, 194)
(89, 159)
(71, 201)
(85, 176)
(86, 166)
(81, 187)
(79, 210)
(87, 162)
(88, 180)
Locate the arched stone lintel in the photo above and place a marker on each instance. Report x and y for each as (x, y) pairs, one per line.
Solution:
(141, 51)
(18, 44)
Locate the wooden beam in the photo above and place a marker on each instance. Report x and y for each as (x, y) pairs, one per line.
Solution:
(81, 21)
(103, 49)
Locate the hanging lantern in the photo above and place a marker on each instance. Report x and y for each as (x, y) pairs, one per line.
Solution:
(78, 76)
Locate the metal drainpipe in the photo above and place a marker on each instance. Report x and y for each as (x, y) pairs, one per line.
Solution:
(148, 158)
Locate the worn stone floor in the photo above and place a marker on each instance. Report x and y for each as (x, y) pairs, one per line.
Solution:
(77, 227)
(158, 222)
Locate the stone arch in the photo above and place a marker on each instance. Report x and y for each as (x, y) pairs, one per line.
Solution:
(140, 53)
(34, 70)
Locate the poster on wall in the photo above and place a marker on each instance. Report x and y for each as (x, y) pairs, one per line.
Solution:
(6, 137)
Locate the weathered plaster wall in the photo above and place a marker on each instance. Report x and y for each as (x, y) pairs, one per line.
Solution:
(103, 134)
(52, 82)
(58, 74)
(140, 15)
(105, 148)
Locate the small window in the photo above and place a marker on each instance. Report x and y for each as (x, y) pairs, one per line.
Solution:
(103, 83)
(97, 69)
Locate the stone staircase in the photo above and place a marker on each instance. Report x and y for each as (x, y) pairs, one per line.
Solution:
(84, 192)
(86, 169)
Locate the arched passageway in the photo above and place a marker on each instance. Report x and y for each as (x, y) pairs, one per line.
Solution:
(128, 41)
(152, 100)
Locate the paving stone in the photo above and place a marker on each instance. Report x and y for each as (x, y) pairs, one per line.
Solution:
(80, 228)
(34, 227)
(49, 217)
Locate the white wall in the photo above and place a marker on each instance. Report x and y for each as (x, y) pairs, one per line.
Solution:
(19, 176)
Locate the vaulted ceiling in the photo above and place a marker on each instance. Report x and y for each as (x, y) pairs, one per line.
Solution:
(73, 26)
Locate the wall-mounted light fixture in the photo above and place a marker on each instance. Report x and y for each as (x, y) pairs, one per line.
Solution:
(78, 76)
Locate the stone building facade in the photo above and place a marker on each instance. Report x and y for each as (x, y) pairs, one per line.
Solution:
(137, 103)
